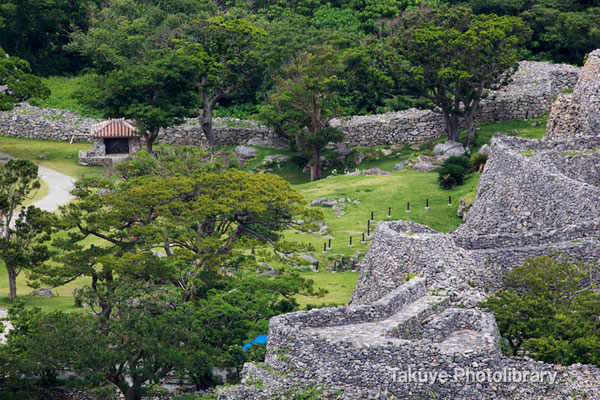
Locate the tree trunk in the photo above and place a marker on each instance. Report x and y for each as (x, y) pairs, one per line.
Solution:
(470, 130)
(149, 142)
(12, 282)
(207, 123)
(452, 126)
(470, 120)
(132, 394)
(315, 167)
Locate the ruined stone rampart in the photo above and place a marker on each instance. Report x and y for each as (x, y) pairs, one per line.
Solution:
(534, 197)
(578, 114)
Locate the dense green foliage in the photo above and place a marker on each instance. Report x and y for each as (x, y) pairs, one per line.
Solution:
(22, 231)
(452, 56)
(173, 285)
(453, 171)
(37, 31)
(17, 84)
(304, 102)
(550, 311)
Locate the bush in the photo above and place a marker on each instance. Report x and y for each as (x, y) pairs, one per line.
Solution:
(450, 176)
(463, 162)
(549, 311)
(479, 161)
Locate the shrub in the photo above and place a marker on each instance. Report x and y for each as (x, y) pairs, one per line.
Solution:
(463, 162)
(479, 161)
(451, 176)
(549, 311)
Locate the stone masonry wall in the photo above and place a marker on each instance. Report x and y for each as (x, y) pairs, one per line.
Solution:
(529, 95)
(578, 114)
(548, 201)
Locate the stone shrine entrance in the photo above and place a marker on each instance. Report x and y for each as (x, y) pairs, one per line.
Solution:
(117, 146)
(114, 141)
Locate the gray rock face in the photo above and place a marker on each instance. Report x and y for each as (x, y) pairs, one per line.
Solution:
(41, 293)
(449, 148)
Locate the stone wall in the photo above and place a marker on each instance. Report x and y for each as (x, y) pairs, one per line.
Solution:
(410, 126)
(372, 355)
(534, 197)
(578, 114)
(529, 95)
(47, 123)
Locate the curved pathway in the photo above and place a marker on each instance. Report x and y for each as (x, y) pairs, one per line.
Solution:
(59, 194)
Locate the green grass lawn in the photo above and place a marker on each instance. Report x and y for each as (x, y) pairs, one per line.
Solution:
(63, 301)
(60, 156)
(339, 287)
(40, 194)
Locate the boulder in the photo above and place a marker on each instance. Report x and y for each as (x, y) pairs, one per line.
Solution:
(269, 159)
(449, 148)
(400, 165)
(282, 159)
(42, 293)
(318, 201)
(355, 173)
(244, 153)
(371, 171)
(309, 258)
(428, 163)
(329, 203)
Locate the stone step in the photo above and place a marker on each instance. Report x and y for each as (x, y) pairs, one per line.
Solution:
(386, 331)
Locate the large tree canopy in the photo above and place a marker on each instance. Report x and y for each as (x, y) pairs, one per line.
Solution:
(305, 100)
(154, 94)
(453, 57)
(23, 231)
(173, 287)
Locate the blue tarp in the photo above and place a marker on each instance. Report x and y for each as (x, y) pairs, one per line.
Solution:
(262, 339)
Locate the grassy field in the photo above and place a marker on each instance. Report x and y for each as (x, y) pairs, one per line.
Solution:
(60, 156)
(62, 91)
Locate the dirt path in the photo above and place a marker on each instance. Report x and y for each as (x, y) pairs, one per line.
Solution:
(59, 194)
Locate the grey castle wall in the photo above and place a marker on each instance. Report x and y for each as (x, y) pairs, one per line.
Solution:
(302, 352)
(548, 201)
(46, 123)
(529, 95)
(578, 114)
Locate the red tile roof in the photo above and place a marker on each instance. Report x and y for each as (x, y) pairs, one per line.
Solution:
(114, 128)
